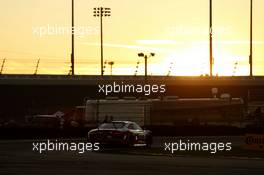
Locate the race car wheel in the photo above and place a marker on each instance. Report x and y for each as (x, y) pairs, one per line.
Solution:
(130, 141)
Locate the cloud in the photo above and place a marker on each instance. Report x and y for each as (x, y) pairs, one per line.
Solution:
(157, 42)
(135, 47)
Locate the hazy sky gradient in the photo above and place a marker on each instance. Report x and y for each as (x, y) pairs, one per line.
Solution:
(176, 30)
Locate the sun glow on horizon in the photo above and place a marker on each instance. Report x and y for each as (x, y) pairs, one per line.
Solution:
(177, 34)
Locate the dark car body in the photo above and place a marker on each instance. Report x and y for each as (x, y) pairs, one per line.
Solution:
(122, 133)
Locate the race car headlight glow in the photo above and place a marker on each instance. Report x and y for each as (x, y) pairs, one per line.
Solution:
(136, 138)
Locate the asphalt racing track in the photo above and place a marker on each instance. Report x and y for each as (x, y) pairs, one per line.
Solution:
(17, 157)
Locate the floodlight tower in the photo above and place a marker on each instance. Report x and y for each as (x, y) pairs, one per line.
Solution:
(211, 38)
(146, 57)
(251, 38)
(72, 35)
(102, 12)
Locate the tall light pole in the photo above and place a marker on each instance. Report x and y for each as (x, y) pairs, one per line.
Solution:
(73, 31)
(211, 38)
(111, 63)
(251, 38)
(102, 12)
(146, 57)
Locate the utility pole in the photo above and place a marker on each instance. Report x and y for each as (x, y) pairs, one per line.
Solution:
(73, 32)
(37, 66)
(2, 67)
(101, 32)
(251, 39)
(211, 39)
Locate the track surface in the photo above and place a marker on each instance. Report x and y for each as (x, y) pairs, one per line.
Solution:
(17, 157)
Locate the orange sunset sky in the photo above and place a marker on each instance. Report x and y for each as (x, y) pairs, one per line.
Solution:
(175, 30)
